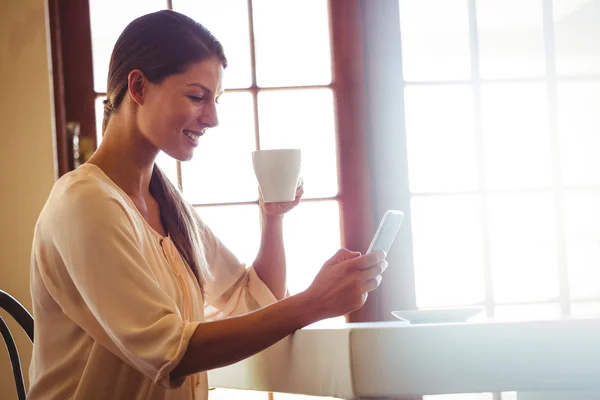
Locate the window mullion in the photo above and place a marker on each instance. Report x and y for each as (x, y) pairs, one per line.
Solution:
(483, 196)
(254, 86)
(558, 193)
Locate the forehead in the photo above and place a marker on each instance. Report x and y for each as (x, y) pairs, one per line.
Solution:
(208, 73)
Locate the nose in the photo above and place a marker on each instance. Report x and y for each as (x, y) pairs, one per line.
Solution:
(209, 115)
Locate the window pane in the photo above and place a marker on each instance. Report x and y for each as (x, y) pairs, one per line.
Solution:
(579, 129)
(292, 42)
(108, 18)
(523, 247)
(228, 21)
(440, 138)
(168, 165)
(577, 36)
(515, 128)
(527, 312)
(435, 40)
(308, 248)
(582, 212)
(586, 309)
(238, 227)
(511, 38)
(221, 170)
(303, 119)
(447, 250)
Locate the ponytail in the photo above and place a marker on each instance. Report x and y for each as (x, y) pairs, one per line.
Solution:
(181, 223)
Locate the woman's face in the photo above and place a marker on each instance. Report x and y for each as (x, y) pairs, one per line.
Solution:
(177, 112)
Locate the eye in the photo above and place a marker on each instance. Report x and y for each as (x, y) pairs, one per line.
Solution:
(197, 99)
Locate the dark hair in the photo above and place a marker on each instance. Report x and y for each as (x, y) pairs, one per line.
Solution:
(161, 44)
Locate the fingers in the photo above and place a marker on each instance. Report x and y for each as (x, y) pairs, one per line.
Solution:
(260, 195)
(373, 271)
(372, 284)
(299, 191)
(368, 279)
(372, 275)
(366, 261)
(296, 201)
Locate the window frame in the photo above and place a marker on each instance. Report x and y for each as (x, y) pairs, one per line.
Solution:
(75, 101)
(390, 77)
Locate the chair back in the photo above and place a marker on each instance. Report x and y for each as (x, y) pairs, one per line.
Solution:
(20, 314)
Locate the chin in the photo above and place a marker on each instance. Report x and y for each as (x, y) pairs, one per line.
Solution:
(185, 156)
(181, 155)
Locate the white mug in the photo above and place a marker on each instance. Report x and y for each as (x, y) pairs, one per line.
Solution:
(277, 172)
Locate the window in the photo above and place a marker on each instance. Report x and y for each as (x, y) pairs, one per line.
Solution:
(503, 181)
(502, 133)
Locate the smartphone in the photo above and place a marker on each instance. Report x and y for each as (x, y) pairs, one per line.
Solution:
(387, 230)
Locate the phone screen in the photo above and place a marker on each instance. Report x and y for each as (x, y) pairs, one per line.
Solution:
(387, 231)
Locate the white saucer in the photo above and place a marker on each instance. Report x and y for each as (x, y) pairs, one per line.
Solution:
(437, 315)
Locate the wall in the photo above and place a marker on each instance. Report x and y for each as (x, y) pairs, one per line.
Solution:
(26, 153)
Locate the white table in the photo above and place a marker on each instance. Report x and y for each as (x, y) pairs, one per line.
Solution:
(394, 359)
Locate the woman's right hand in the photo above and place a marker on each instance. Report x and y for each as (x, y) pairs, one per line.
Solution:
(339, 288)
(343, 283)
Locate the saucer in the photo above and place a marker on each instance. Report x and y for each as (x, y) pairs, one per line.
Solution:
(437, 315)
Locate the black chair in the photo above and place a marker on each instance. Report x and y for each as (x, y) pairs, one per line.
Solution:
(25, 320)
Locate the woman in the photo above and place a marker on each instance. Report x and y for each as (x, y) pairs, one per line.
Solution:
(133, 296)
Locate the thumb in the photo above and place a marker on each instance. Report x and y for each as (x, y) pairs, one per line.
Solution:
(342, 255)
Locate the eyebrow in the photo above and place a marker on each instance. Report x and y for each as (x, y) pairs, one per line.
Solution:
(200, 86)
(203, 87)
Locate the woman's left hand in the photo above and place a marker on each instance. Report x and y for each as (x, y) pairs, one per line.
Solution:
(279, 208)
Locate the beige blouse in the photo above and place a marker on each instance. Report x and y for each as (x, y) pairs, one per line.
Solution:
(114, 303)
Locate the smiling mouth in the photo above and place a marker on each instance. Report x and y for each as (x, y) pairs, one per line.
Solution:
(193, 135)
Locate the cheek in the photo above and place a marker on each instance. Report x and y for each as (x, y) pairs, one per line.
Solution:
(178, 114)
(164, 120)
(173, 122)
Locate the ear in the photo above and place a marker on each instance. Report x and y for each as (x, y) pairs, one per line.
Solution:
(137, 85)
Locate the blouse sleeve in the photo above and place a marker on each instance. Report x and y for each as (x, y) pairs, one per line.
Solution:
(87, 251)
(231, 288)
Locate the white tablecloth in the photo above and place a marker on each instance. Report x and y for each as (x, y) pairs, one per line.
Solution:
(396, 359)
